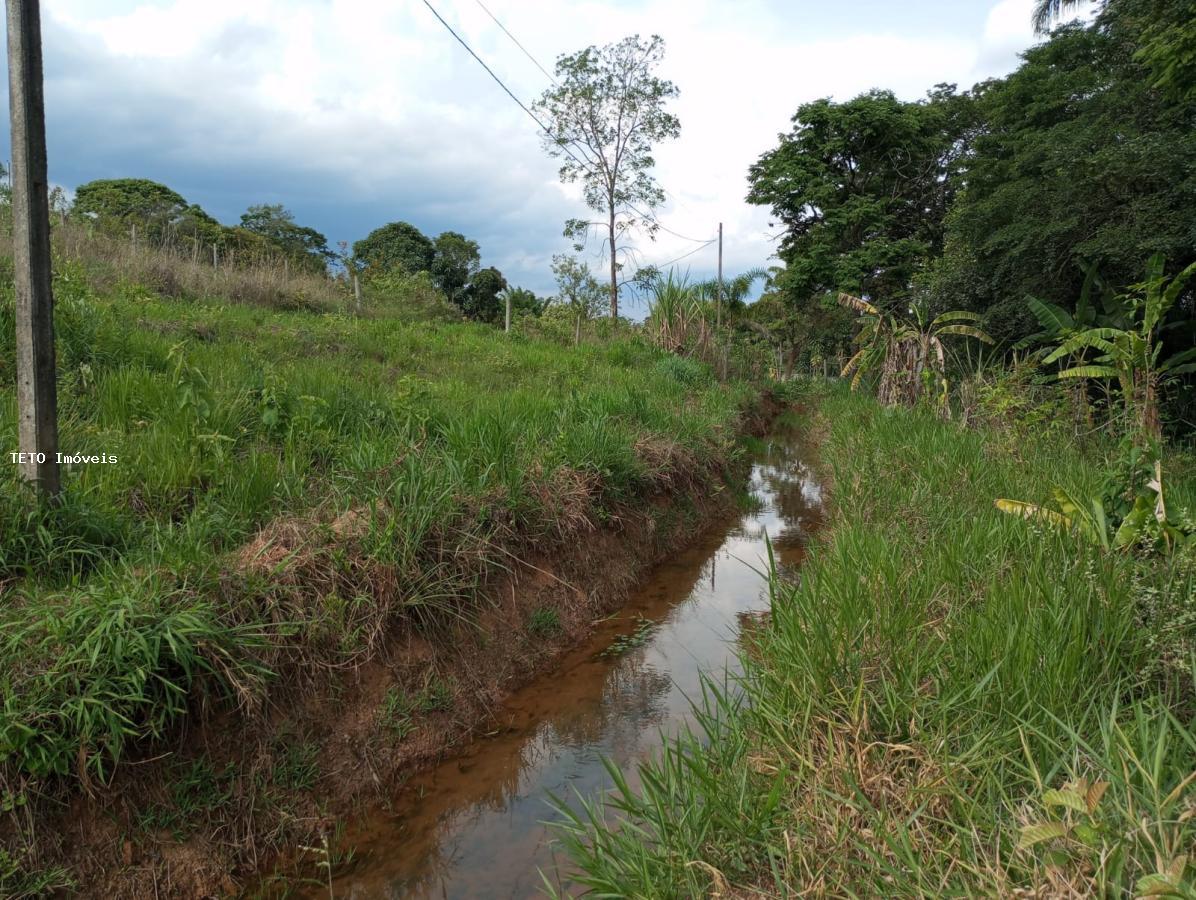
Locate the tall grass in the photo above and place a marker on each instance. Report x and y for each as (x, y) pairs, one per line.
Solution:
(942, 687)
(188, 271)
(289, 484)
(683, 319)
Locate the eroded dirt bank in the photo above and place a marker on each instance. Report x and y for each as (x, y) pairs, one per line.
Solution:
(211, 810)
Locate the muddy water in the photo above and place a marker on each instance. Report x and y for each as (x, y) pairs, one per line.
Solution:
(474, 826)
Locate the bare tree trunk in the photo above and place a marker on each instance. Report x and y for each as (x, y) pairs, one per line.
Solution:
(614, 269)
(577, 331)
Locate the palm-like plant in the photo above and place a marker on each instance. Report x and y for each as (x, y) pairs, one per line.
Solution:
(1048, 11)
(1058, 325)
(1131, 354)
(734, 290)
(909, 353)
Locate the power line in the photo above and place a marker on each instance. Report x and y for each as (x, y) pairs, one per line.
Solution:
(537, 64)
(499, 81)
(690, 253)
(526, 53)
(664, 227)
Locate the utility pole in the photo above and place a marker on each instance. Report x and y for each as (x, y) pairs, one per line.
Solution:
(37, 390)
(507, 327)
(718, 309)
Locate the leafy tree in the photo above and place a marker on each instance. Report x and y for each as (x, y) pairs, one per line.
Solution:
(861, 189)
(810, 332)
(603, 116)
(276, 224)
(455, 261)
(578, 289)
(1167, 47)
(240, 245)
(1079, 158)
(396, 245)
(479, 300)
(155, 209)
(522, 301)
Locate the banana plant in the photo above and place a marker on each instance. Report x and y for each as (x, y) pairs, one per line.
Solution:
(1145, 523)
(1057, 324)
(909, 353)
(1131, 355)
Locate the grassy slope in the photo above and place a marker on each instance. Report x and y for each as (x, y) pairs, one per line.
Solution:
(938, 668)
(427, 448)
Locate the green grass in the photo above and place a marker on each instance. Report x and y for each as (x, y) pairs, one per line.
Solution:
(289, 485)
(544, 622)
(197, 793)
(399, 708)
(939, 669)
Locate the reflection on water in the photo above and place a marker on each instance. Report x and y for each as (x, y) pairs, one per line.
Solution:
(473, 827)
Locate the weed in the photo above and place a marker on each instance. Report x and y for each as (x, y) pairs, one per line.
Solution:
(197, 794)
(17, 882)
(399, 708)
(396, 713)
(625, 643)
(331, 855)
(436, 696)
(297, 767)
(544, 622)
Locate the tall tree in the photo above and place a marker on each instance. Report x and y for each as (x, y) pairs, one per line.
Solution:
(861, 189)
(397, 244)
(455, 260)
(603, 117)
(277, 225)
(1167, 46)
(156, 210)
(1079, 159)
(480, 299)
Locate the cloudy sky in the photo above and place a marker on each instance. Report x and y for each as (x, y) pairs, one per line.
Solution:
(354, 113)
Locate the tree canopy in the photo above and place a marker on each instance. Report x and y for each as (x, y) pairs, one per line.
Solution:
(1079, 159)
(861, 188)
(397, 244)
(276, 224)
(1085, 154)
(455, 261)
(480, 300)
(603, 117)
(155, 209)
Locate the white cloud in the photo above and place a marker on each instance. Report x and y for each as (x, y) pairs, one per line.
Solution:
(368, 110)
